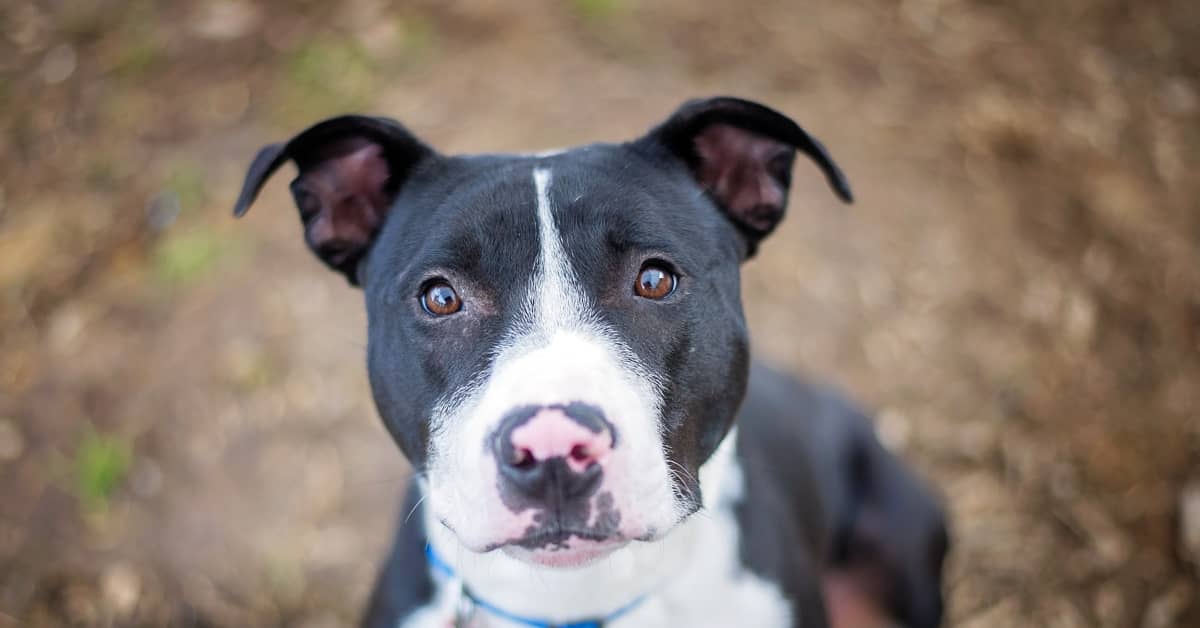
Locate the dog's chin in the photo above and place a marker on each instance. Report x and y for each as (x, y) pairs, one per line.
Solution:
(570, 554)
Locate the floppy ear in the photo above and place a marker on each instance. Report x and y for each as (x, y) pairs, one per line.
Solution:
(351, 168)
(741, 153)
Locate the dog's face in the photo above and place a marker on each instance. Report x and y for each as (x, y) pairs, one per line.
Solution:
(556, 342)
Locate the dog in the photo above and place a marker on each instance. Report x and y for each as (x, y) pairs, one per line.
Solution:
(556, 342)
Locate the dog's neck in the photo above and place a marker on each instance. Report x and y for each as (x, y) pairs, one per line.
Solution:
(638, 570)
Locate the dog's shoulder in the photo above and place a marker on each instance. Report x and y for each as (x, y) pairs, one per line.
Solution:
(818, 455)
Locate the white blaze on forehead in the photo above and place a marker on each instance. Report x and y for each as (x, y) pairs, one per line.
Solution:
(554, 299)
(555, 304)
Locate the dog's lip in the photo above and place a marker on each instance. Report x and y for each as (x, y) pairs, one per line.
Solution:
(573, 552)
(561, 537)
(564, 535)
(540, 540)
(557, 540)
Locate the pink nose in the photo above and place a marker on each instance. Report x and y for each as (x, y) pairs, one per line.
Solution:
(550, 433)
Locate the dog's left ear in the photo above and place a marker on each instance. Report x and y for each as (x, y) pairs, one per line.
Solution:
(741, 153)
(351, 169)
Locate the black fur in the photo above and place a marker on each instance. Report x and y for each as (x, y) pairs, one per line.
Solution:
(849, 501)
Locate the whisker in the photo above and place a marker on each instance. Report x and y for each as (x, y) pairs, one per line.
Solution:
(414, 509)
(690, 495)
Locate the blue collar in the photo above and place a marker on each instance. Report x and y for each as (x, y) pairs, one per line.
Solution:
(444, 567)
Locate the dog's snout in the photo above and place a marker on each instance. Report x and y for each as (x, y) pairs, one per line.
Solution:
(550, 453)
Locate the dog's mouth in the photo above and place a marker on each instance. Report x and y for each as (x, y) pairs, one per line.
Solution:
(560, 547)
(554, 542)
(560, 539)
(564, 548)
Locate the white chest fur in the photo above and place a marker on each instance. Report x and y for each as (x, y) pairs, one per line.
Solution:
(692, 578)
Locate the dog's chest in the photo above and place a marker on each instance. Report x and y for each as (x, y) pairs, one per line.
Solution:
(715, 591)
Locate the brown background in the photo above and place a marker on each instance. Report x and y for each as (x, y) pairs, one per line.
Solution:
(186, 436)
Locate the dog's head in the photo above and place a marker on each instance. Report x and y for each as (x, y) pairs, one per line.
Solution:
(555, 341)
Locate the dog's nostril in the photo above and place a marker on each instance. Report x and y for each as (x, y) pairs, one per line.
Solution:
(580, 453)
(522, 458)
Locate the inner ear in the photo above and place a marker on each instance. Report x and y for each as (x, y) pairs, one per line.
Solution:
(351, 170)
(748, 173)
(343, 197)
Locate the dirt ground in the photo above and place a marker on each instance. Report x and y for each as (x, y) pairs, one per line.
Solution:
(186, 434)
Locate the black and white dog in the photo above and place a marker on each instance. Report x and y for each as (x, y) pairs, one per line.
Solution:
(557, 344)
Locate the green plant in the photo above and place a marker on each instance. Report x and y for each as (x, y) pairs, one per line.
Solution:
(595, 10)
(187, 257)
(101, 464)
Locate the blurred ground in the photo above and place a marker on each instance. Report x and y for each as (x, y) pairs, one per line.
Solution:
(186, 436)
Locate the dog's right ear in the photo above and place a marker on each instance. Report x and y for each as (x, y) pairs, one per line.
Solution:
(351, 168)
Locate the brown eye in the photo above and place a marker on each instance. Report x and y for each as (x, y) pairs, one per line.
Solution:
(654, 282)
(440, 299)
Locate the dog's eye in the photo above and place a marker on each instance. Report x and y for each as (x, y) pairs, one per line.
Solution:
(440, 299)
(654, 281)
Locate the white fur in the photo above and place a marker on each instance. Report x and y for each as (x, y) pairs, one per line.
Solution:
(693, 577)
(559, 351)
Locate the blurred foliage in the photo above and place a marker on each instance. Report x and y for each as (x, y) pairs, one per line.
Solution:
(418, 39)
(328, 75)
(187, 180)
(597, 9)
(189, 256)
(142, 53)
(101, 464)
